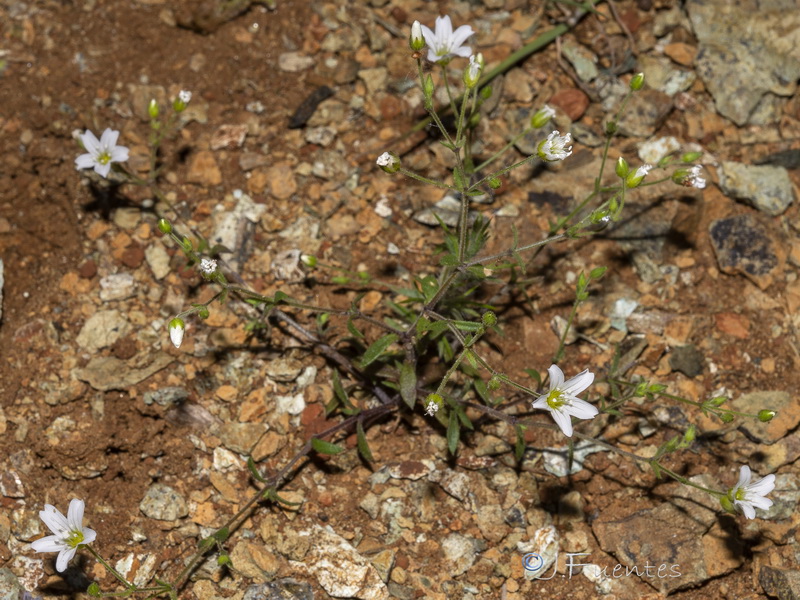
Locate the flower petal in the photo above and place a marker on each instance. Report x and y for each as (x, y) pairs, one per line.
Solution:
(580, 382)
(55, 521)
(50, 543)
(582, 409)
(763, 486)
(64, 557)
(109, 139)
(541, 402)
(119, 154)
(430, 37)
(463, 51)
(90, 143)
(744, 477)
(75, 513)
(102, 170)
(759, 502)
(556, 377)
(564, 422)
(89, 535)
(444, 28)
(84, 161)
(747, 509)
(460, 35)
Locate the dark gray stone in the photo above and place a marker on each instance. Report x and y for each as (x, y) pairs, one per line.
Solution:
(687, 359)
(283, 589)
(783, 584)
(743, 245)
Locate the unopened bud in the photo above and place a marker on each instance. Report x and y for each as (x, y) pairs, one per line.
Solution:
(176, 330)
(489, 318)
(691, 156)
(309, 260)
(152, 109)
(427, 88)
(164, 226)
(726, 417)
(93, 589)
(494, 182)
(718, 401)
(494, 383)
(415, 41)
(542, 117)
(690, 434)
(622, 169)
(635, 179)
(765, 416)
(637, 82)
(486, 92)
(727, 504)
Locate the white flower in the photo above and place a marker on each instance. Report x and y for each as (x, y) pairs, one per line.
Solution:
(389, 162)
(69, 532)
(562, 400)
(446, 43)
(185, 96)
(432, 408)
(749, 496)
(208, 266)
(176, 330)
(101, 153)
(472, 73)
(555, 147)
(694, 180)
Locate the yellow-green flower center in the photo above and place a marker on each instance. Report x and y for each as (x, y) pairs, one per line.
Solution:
(74, 538)
(104, 158)
(555, 399)
(740, 494)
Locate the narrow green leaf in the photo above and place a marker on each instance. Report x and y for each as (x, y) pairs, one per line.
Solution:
(254, 470)
(324, 447)
(363, 447)
(280, 297)
(377, 348)
(453, 432)
(408, 384)
(353, 329)
(448, 260)
(519, 445)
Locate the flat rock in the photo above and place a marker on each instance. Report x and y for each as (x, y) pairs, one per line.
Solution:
(338, 567)
(117, 286)
(163, 503)
(646, 112)
(740, 59)
(203, 169)
(281, 589)
(764, 187)
(158, 260)
(102, 329)
(687, 360)
(786, 420)
(108, 373)
(743, 245)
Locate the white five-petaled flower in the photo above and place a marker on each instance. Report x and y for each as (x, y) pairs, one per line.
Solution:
(562, 400)
(101, 153)
(68, 532)
(555, 147)
(749, 496)
(432, 408)
(444, 43)
(185, 96)
(208, 266)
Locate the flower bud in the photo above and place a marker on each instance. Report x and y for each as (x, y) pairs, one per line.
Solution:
(164, 226)
(622, 169)
(309, 260)
(718, 401)
(415, 40)
(611, 127)
(690, 434)
(176, 330)
(93, 589)
(202, 312)
(489, 318)
(690, 156)
(486, 92)
(152, 109)
(182, 101)
(494, 182)
(726, 417)
(635, 179)
(472, 74)
(765, 416)
(637, 82)
(494, 383)
(389, 162)
(542, 116)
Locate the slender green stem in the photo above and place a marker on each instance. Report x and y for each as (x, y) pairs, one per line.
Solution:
(563, 341)
(128, 585)
(503, 150)
(439, 184)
